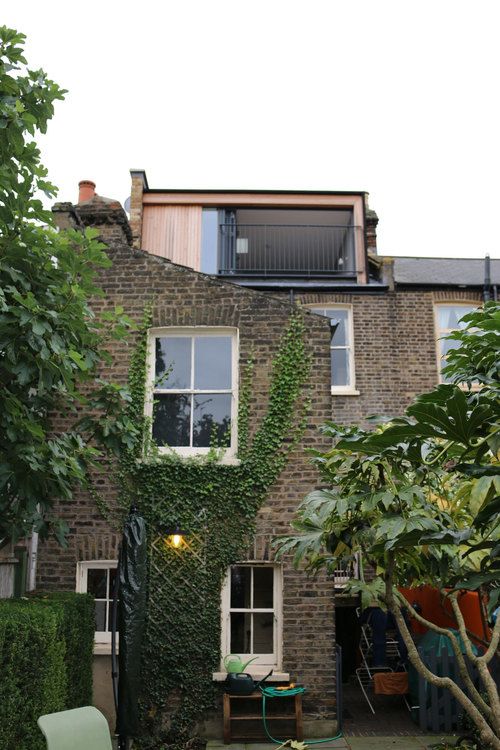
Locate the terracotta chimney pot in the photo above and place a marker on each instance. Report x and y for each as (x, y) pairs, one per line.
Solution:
(86, 190)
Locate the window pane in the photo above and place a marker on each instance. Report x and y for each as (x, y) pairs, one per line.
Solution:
(338, 321)
(173, 362)
(212, 362)
(211, 420)
(171, 414)
(240, 587)
(96, 582)
(240, 632)
(112, 579)
(100, 616)
(449, 315)
(448, 345)
(340, 366)
(318, 311)
(263, 579)
(110, 618)
(263, 632)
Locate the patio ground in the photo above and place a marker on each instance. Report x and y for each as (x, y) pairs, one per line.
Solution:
(416, 742)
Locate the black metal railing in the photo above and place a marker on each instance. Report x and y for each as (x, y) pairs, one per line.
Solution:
(287, 249)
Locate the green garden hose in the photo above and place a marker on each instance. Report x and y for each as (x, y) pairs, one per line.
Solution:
(270, 692)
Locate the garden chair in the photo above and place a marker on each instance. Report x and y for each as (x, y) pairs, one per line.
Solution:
(78, 729)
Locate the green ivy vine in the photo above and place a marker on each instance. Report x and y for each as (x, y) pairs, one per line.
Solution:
(218, 504)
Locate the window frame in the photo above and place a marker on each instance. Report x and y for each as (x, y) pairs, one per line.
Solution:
(441, 333)
(268, 661)
(350, 388)
(229, 453)
(100, 636)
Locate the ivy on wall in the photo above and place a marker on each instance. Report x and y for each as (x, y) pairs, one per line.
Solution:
(217, 504)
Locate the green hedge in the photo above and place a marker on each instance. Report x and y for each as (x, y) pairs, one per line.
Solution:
(45, 663)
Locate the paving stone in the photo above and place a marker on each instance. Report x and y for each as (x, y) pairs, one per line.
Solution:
(384, 743)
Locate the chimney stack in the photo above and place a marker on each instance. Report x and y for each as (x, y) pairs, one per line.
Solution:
(86, 190)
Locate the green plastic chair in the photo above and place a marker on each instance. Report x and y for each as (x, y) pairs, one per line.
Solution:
(78, 729)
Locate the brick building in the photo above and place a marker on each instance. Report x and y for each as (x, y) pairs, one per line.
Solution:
(225, 269)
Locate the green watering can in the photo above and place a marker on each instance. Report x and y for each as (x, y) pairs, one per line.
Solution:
(233, 663)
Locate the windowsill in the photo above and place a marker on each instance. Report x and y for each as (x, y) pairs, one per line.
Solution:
(201, 457)
(344, 392)
(257, 675)
(104, 649)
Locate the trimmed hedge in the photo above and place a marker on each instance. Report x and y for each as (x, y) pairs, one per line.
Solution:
(78, 631)
(45, 663)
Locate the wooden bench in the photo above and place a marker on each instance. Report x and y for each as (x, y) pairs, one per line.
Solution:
(255, 715)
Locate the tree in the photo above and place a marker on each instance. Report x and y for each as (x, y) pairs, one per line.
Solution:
(418, 497)
(51, 343)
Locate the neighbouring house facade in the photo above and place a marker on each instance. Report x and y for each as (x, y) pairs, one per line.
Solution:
(224, 270)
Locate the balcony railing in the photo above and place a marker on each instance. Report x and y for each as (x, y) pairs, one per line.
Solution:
(288, 250)
(345, 572)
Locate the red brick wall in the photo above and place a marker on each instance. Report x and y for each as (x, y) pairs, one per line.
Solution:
(185, 298)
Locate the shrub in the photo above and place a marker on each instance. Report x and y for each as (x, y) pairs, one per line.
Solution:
(33, 673)
(78, 631)
(45, 663)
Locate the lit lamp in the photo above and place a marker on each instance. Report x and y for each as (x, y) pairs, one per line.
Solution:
(174, 536)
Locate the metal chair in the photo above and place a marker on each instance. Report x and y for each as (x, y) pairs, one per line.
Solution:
(77, 729)
(365, 672)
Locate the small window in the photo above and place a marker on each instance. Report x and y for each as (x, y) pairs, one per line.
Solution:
(448, 319)
(193, 389)
(98, 578)
(251, 613)
(341, 347)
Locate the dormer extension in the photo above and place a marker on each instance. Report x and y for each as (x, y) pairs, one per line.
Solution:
(254, 237)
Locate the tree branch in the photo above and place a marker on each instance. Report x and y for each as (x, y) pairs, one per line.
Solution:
(462, 666)
(480, 662)
(485, 731)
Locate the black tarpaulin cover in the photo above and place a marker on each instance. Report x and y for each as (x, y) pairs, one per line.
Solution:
(132, 572)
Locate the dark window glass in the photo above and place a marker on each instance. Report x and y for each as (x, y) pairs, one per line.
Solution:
(212, 363)
(240, 633)
(112, 579)
(110, 617)
(100, 615)
(171, 415)
(96, 582)
(240, 587)
(173, 362)
(263, 632)
(263, 588)
(211, 420)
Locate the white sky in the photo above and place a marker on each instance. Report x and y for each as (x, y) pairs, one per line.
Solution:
(396, 97)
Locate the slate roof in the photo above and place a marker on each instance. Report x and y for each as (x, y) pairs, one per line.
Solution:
(444, 271)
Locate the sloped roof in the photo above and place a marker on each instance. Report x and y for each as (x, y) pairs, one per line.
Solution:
(444, 271)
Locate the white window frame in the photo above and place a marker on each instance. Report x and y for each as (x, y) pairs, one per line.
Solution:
(350, 388)
(443, 332)
(273, 660)
(227, 454)
(82, 568)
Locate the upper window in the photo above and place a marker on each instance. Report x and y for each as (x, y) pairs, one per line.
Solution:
(341, 347)
(448, 319)
(98, 578)
(193, 382)
(251, 613)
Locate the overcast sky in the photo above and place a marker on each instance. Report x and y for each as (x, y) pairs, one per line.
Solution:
(396, 97)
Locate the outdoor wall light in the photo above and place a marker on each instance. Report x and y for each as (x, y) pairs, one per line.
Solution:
(174, 536)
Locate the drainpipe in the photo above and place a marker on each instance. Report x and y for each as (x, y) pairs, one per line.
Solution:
(487, 279)
(31, 582)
